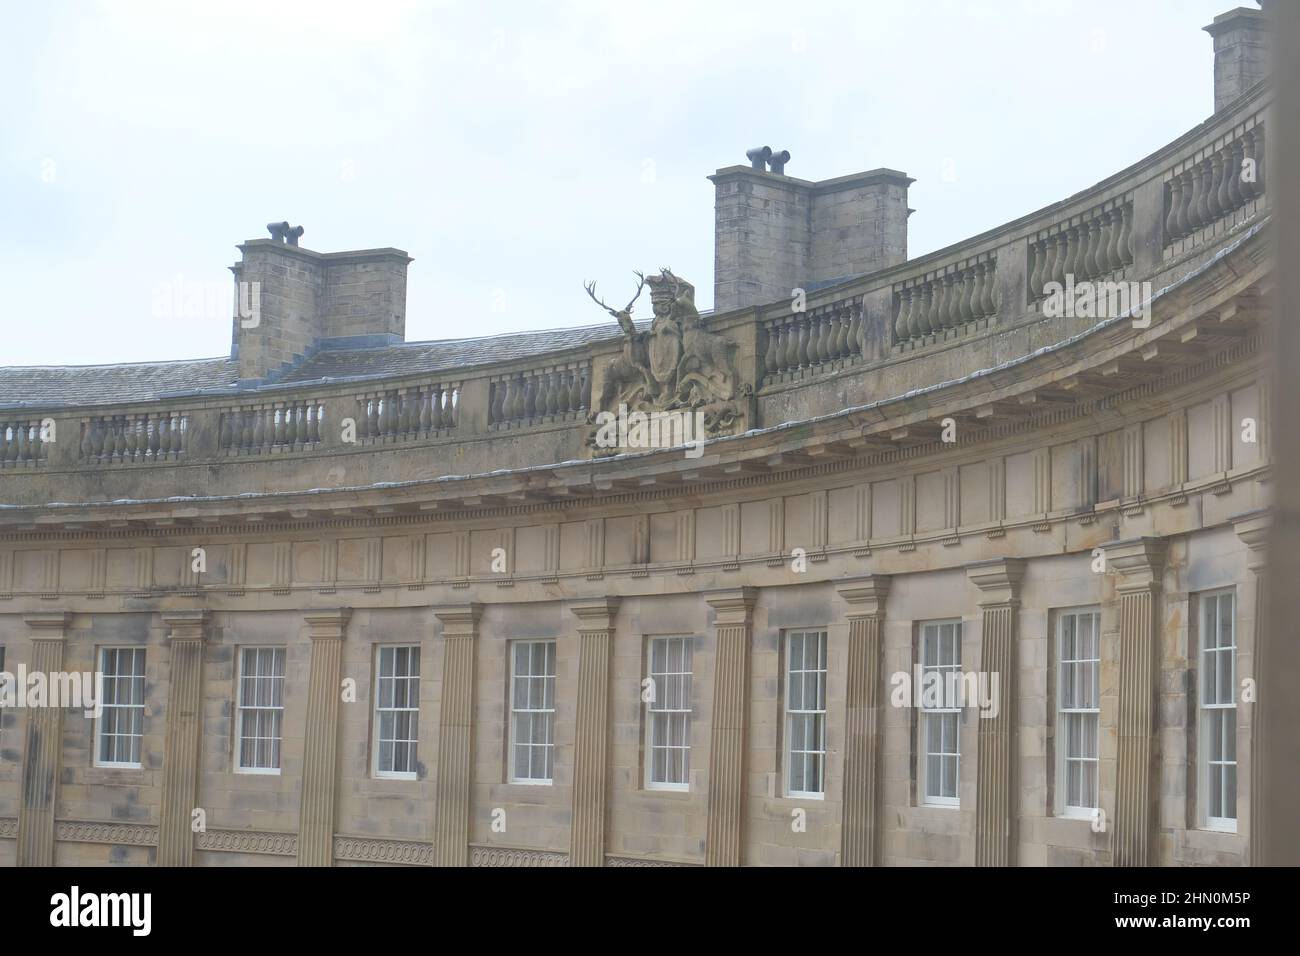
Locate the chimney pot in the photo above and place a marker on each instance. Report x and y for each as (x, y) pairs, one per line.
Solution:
(758, 156)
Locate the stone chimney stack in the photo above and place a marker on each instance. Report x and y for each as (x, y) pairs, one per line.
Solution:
(774, 233)
(291, 302)
(1240, 52)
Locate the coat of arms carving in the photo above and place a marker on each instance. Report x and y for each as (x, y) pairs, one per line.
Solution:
(676, 365)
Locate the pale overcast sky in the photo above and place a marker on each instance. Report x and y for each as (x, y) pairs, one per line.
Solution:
(516, 149)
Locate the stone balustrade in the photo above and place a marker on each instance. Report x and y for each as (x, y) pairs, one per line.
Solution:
(408, 414)
(21, 443)
(1214, 184)
(134, 439)
(272, 427)
(824, 339)
(1094, 245)
(555, 393)
(946, 303)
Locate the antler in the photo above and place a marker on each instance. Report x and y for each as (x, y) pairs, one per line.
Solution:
(591, 291)
(624, 315)
(640, 284)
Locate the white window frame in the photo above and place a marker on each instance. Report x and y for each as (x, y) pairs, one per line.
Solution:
(244, 710)
(806, 708)
(539, 698)
(389, 684)
(1078, 701)
(670, 709)
(944, 714)
(136, 690)
(1215, 702)
(15, 690)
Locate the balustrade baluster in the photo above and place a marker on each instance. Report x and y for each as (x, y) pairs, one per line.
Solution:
(1212, 203)
(1248, 170)
(920, 321)
(1173, 197)
(1090, 265)
(575, 389)
(1233, 175)
(782, 332)
(1202, 198)
(1222, 176)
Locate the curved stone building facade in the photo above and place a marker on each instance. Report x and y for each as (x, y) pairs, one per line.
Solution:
(362, 601)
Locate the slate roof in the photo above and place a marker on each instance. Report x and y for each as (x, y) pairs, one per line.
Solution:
(54, 385)
(64, 385)
(417, 357)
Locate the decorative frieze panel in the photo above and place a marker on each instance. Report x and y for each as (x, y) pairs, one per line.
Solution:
(247, 841)
(112, 834)
(950, 302)
(369, 850)
(641, 861)
(509, 856)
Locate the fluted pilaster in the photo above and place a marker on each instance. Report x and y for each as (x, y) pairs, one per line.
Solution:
(186, 633)
(860, 830)
(455, 735)
(591, 740)
(995, 766)
(1253, 531)
(43, 748)
(733, 624)
(320, 747)
(1139, 563)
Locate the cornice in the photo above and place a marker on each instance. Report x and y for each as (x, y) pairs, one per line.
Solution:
(938, 542)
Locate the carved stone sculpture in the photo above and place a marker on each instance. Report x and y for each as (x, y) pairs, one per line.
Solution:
(677, 364)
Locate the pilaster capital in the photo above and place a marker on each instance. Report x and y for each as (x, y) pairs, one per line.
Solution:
(48, 625)
(459, 620)
(1140, 562)
(1252, 528)
(734, 606)
(186, 625)
(595, 614)
(998, 580)
(328, 625)
(865, 595)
